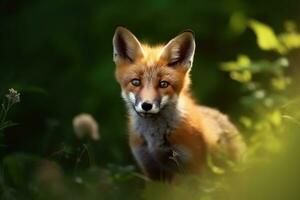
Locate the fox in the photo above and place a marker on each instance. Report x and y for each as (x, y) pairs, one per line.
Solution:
(170, 134)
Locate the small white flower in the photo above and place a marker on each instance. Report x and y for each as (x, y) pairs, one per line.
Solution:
(260, 94)
(269, 102)
(13, 96)
(85, 125)
(78, 180)
(284, 62)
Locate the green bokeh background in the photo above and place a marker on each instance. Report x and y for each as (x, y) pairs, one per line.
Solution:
(58, 54)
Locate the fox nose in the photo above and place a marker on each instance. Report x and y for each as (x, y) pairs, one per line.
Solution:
(146, 106)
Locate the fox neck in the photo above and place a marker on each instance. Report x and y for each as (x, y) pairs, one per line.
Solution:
(154, 129)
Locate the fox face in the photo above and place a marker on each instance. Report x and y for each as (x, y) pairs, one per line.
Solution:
(152, 78)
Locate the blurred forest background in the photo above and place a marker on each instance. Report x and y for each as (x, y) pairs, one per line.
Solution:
(58, 56)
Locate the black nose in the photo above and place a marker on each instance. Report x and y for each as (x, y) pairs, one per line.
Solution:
(146, 106)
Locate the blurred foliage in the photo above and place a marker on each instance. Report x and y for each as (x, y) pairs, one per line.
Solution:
(11, 98)
(58, 55)
(265, 83)
(270, 122)
(267, 40)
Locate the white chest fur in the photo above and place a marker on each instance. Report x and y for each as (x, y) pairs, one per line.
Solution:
(155, 129)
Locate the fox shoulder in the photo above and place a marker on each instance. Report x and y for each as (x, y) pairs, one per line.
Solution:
(220, 134)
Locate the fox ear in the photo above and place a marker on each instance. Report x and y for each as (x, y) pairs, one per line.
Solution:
(180, 50)
(126, 46)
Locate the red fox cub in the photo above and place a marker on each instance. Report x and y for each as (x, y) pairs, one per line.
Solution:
(168, 132)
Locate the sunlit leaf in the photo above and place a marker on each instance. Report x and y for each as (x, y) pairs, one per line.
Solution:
(246, 121)
(266, 38)
(280, 83)
(275, 118)
(263, 126)
(290, 40)
(242, 62)
(244, 76)
(215, 169)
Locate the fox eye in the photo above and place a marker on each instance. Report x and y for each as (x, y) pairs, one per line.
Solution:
(136, 82)
(163, 84)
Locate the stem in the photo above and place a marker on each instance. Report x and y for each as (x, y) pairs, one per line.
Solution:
(7, 124)
(6, 109)
(91, 161)
(56, 153)
(145, 178)
(292, 119)
(80, 156)
(2, 113)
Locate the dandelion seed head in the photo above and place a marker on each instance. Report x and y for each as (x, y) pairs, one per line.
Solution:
(85, 125)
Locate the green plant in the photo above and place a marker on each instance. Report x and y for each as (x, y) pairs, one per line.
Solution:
(265, 84)
(266, 112)
(10, 99)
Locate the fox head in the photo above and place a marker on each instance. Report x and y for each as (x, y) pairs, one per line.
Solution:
(152, 78)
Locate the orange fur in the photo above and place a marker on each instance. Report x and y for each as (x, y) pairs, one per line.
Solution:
(200, 130)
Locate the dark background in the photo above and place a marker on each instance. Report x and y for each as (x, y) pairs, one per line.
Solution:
(58, 55)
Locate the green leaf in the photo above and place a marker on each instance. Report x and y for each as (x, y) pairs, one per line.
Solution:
(17, 167)
(290, 40)
(266, 38)
(275, 118)
(280, 83)
(243, 62)
(246, 121)
(7, 124)
(215, 169)
(243, 77)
